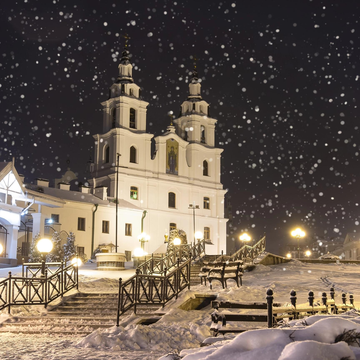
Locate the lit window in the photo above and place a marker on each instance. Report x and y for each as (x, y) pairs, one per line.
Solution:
(105, 227)
(128, 229)
(81, 224)
(172, 200)
(206, 203)
(207, 233)
(134, 193)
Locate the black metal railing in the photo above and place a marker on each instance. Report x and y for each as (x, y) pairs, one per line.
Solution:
(246, 251)
(158, 264)
(37, 289)
(152, 289)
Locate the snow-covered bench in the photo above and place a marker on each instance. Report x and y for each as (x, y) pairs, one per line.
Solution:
(228, 271)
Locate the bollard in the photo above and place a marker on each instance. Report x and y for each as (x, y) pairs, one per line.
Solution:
(351, 298)
(293, 301)
(343, 298)
(332, 293)
(324, 299)
(270, 299)
(311, 298)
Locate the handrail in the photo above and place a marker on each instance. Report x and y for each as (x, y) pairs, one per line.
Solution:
(154, 289)
(21, 290)
(248, 251)
(157, 265)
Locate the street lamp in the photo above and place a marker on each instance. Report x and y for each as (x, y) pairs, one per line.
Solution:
(199, 235)
(44, 246)
(193, 207)
(143, 238)
(1, 249)
(288, 255)
(308, 253)
(244, 237)
(298, 234)
(177, 241)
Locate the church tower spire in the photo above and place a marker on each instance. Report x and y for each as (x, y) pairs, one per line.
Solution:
(125, 67)
(194, 86)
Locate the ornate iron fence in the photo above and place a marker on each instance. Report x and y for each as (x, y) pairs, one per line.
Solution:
(157, 264)
(246, 251)
(152, 289)
(33, 290)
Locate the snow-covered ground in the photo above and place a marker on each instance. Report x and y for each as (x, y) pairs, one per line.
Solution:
(181, 332)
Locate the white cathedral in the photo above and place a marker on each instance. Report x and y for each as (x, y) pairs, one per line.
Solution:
(178, 184)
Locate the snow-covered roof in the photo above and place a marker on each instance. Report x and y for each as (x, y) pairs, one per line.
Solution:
(77, 196)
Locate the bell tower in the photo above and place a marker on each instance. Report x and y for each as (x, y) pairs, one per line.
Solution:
(194, 123)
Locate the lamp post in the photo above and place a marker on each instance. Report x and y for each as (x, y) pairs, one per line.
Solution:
(143, 238)
(117, 200)
(194, 207)
(307, 253)
(44, 246)
(177, 241)
(199, 235)
(298, 234)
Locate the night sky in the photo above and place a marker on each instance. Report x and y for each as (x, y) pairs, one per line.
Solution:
(281, 77)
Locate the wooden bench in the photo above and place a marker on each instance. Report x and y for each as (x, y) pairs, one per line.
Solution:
(228, 271)
(275, 313)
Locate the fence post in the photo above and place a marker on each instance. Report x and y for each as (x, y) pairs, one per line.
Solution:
(324, 299)
(118, 307)
(77, 276)
(9, 293)
(311, 300)
(332, 296)
(22, 268)
(270, 299)
(351, 298)
(177, 280)
(343, 297)
(164, 288)
(62, 279)
(135, 289)
(293, 301)
(152, 262)
(45, 286)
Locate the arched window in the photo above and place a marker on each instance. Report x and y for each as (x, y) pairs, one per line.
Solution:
(122, 88)
(134, 193)
(202, 129)
(133, 155)
(172, 200)
(139, 93)
(205, 168)
(193, 106)
(132, 119)
(186, 134)
(207, 233)
(113, 117)
(131, 92)
(206, 203)
(107, 154)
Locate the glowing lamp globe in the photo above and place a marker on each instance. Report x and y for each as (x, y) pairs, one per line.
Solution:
(76, 261)
(44, 245)
(138, 252)
(1, 249)
(177, 241)
(198, 235)
(308, 253)
(245, 237)
(298, 233)
(288, 255)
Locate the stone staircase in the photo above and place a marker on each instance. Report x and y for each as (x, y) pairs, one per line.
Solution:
(79, 315)
(195, 268)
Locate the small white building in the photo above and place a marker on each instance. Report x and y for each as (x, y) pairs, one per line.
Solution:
(174, 177)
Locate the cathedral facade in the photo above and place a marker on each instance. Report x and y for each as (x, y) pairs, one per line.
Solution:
(140, 183)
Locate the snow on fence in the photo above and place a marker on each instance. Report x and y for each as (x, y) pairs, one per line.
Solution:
(38, 288)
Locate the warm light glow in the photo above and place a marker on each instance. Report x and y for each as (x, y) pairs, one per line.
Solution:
(1, 249)
(308, 253)
(44, 245)
(198, 235)
(176, 241)
(76, 261)
(298, 233)
(144, 236)
(245, 237)
(138, 252)
(288, 255)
